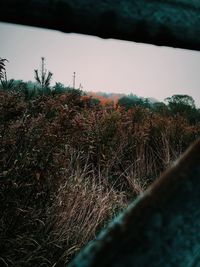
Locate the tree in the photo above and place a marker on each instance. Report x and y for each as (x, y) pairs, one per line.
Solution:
(44, 78)
(180, 104)
(126, 102)
(131, 101)
(183, 105)
(181, 100)
(59, 88)
(160, 108)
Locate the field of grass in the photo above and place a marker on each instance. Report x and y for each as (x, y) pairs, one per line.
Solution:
(68, 167)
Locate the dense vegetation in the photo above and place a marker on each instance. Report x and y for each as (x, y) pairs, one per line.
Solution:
(70, 162)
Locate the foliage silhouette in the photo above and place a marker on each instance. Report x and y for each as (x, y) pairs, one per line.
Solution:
(43, 78)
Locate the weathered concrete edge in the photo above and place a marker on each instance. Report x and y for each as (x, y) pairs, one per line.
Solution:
(169, 23)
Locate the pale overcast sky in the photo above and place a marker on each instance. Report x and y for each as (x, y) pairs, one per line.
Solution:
(101, 65)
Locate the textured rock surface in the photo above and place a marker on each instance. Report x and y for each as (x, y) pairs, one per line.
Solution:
(161, 228)
(162, 22)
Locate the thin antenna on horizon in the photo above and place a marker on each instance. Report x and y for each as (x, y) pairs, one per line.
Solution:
(74, 79)
(80, 86)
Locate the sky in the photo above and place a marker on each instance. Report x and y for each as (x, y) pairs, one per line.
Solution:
(105, 65)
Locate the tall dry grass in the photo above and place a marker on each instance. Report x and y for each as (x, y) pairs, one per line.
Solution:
(66, 169)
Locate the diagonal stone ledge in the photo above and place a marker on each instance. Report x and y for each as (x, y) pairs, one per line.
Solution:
(173, 23)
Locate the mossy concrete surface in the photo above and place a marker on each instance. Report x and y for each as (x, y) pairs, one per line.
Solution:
(161, 228)
(173, 23)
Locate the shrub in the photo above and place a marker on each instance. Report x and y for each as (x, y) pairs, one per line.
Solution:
(67, 168)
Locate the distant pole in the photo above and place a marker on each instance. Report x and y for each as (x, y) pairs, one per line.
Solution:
(42, 74)
(80, 86)
(42, 64)
(74, 79)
